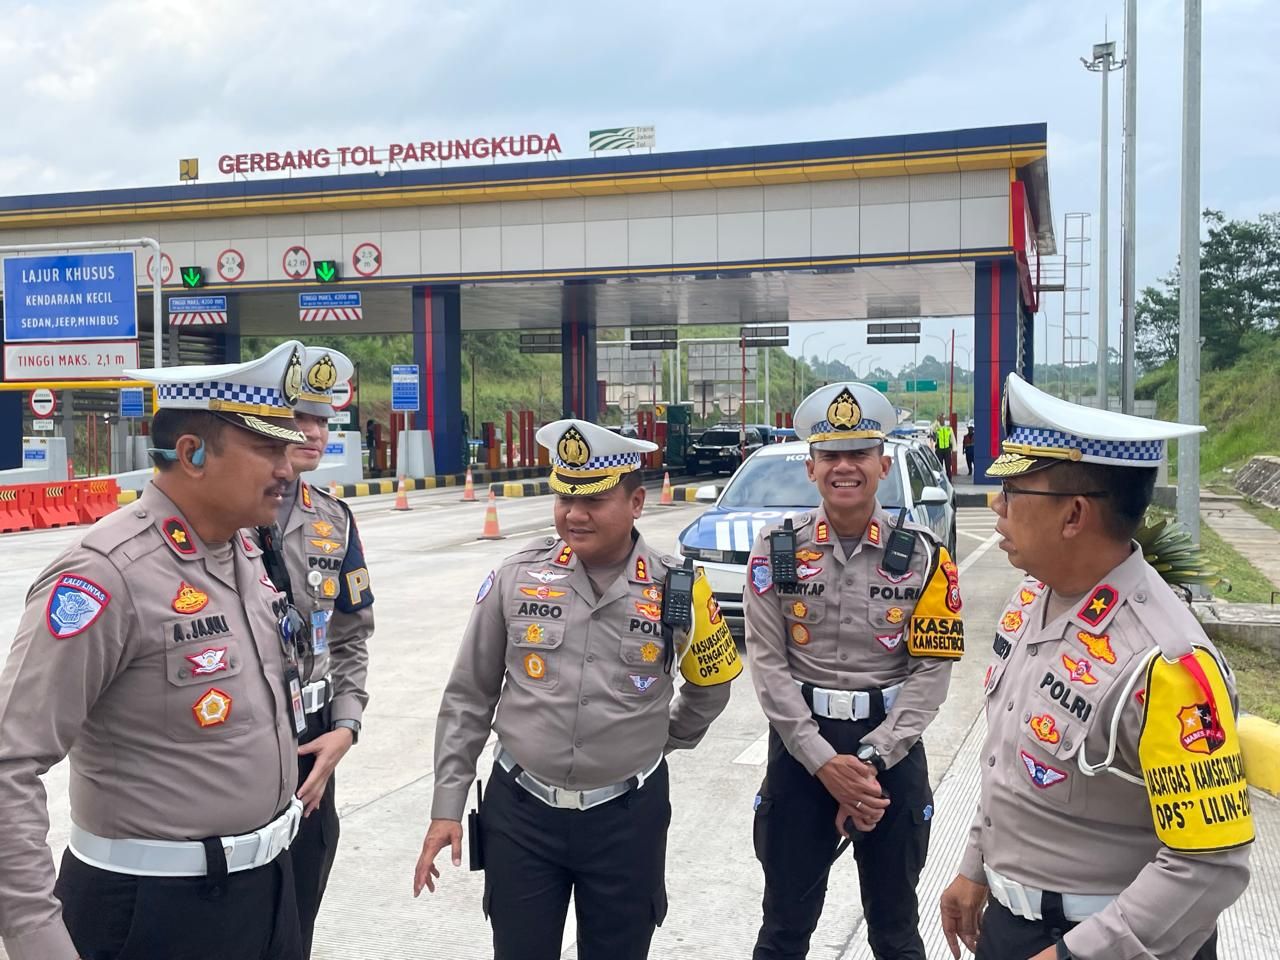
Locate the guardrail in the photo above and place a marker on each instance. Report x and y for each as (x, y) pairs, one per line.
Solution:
(41, 506)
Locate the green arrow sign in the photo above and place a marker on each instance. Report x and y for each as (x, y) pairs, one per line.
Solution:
(193, 277)
(326, 271)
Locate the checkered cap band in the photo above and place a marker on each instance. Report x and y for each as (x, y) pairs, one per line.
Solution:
(214, 390)
(824, 426)
(603, 462)
(1129, 451)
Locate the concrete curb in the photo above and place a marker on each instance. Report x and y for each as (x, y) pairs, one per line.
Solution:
(1260, 746)
(366, 488)
(126, 496)
(525, 488)
(686, 493)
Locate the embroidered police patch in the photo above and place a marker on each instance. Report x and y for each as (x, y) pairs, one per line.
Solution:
(761, 575)
(1042, 775)
(74, 605)
(486, 586)
(178, 536)
(641, 683)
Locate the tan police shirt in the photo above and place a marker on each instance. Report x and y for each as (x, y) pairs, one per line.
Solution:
(842, 627)
(159, 669)
(585, 700)
(1052, 692)
(320, 536)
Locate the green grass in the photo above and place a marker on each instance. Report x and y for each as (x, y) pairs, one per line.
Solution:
(1247, 584)
(1257, 679)
(1240, 405)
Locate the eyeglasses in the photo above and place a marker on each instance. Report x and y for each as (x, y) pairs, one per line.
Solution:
(1008, 492)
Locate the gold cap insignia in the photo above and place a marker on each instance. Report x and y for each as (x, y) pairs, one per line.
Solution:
(292, 385)
(844, 412)
(323, 374)
(572, 448)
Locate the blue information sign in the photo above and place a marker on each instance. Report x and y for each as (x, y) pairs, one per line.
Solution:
(87, 296)
(404, 387)
(196, 304)
(131, 402)
(328, 301)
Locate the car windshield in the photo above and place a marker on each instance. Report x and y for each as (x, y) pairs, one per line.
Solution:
(783, 482)
(719, 438)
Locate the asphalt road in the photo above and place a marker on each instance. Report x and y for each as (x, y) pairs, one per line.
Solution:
(426, 566)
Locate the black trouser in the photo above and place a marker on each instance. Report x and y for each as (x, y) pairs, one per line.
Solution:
(795, 838)
(968, 459)
(250, 915)
(1007, 937)
(612, 857)
(316, 844)
(944, 454)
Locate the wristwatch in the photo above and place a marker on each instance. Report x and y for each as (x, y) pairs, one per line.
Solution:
(352, 725)
(869, 754)
(1063, 952)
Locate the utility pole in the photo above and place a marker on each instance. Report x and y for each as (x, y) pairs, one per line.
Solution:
(1104, 61)
(1189, 293)
(1128, 216)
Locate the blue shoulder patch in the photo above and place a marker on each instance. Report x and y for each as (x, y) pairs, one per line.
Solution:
(486, 586)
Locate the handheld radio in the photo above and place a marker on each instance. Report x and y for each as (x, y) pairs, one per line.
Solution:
(899, 548)
(782, 554)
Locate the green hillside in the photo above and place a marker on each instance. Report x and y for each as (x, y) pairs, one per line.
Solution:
(1240, 405)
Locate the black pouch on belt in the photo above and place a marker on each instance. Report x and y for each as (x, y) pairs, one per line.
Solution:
(475, 838)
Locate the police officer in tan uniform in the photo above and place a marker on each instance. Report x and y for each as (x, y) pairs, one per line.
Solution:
(576, 640)
(324, 573)
(1114, 816)
(152, 651)
(852, 625)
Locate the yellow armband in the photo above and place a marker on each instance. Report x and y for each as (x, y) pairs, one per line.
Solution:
(936, 628)
(711, 657)
(1190, 756)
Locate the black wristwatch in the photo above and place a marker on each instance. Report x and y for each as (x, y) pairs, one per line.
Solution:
(869, 754)
(1063, 952)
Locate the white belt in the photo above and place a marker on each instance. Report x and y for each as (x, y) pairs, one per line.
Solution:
(1023, 901)
(566, 799)
(185, 858)
(315, 695)
(850, 704)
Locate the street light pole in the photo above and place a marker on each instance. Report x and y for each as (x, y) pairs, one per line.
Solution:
(1128, 335)
(1189, 293)
(1103, 62)
(795, 400)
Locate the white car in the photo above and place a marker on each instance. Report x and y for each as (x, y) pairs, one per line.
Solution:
(772, 484)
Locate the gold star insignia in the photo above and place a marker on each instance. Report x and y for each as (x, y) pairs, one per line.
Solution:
(1098, 605)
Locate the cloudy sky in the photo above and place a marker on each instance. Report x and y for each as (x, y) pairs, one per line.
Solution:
(111, 93)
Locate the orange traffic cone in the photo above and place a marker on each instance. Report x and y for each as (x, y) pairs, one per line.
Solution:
(402, 496)
(469, 489)
(491, 531)
(666, 500)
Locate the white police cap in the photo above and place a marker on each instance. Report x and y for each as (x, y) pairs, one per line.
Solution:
(844, 416)
(1041, 430)
(587, 458)
(323, 369)
(258, 395)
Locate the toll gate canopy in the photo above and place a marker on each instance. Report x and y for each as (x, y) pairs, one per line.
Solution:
(945, 224)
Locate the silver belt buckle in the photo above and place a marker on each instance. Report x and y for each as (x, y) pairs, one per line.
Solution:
(840, 704)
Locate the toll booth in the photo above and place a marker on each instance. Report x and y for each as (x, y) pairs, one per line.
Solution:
(678, 417)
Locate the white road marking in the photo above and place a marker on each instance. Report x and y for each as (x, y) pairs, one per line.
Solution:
(972, 558)
(976, 536)
(755, 754)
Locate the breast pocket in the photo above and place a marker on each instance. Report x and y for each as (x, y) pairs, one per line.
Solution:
(203, 665)
(802, 617)
(533, 653)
